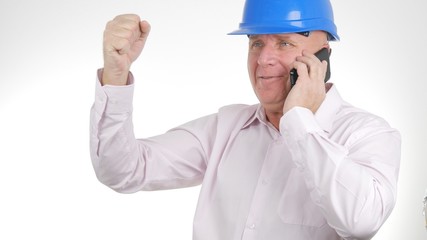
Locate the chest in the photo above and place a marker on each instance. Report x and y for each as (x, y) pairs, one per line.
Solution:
(259, 186)
(257, 155)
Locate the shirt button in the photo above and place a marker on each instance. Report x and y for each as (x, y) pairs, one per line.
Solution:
(252, 226)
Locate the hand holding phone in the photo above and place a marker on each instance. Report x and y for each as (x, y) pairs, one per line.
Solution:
(322, 54)
(310, 97)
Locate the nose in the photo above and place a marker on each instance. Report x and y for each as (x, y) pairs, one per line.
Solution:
(267, 57)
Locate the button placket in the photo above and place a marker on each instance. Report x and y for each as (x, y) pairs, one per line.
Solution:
(260, 196)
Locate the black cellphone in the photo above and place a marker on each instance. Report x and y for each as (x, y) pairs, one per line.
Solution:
(322, 54)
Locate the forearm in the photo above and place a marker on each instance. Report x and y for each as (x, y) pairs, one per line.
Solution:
(353, 184)
(114, 149)
(175, 159)
(355, 198)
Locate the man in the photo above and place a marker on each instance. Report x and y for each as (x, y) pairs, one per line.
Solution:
(302, 164)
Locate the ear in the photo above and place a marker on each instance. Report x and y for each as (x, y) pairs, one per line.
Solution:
(326, 45)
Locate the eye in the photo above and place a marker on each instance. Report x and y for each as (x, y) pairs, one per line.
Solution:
(256, 44)
(285, 44)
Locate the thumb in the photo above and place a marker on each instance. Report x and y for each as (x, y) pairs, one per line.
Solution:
(145, 28)
(139, 43)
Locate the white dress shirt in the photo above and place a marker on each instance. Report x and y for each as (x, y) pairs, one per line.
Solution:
(324, 176)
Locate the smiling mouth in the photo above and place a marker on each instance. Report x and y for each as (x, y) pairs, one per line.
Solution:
(269, 77)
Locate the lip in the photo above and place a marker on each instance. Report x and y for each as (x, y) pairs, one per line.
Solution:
(269, 77)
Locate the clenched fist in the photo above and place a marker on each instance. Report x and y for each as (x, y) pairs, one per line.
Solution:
(124, 39)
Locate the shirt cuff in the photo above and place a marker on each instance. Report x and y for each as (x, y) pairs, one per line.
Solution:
(114, 99)
(295, 126)
(298, 122)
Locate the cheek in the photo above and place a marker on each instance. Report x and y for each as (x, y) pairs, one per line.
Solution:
(252, 61)
(252, 65)
(286, 63)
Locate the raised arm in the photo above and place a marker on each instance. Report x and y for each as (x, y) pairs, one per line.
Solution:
(122, 162)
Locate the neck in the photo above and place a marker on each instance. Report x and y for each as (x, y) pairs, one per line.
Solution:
(274, 118)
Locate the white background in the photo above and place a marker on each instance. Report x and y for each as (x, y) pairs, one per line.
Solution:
(49, 53)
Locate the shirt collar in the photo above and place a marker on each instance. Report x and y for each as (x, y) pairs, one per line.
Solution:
(259, 115)
(324, 116)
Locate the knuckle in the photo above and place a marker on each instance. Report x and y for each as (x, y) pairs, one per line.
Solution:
(128, 17)
(121, 42)
(135, 17)
(121, 16)
(125, 33)
(109, 24)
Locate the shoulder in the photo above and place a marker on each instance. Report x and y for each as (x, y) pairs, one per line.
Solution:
(359, 118)
(348, 123)
(355, 124)
(236, 114)
(241, 111)
(348, 115)
(238, 108)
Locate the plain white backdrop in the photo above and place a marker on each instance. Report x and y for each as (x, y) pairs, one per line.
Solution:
(49, 53)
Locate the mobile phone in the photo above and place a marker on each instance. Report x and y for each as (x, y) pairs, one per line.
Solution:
(322, 54)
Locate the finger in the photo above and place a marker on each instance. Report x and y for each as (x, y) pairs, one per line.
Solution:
(145, 28)
(121, 36)
(318, 71)
(118, 40)
(128, 17)
(324, 69)
(119, 33)
(121, 22)
(302, 70)
(125, 29)
(309, 59)
(119, 45)
(316, 68)
(127, 25)
(122, 45)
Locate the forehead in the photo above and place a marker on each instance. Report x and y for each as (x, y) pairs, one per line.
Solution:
(274, 36)
(296, 37)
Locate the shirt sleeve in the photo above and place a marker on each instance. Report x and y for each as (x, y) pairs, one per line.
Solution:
(172, 160)
(354, 181)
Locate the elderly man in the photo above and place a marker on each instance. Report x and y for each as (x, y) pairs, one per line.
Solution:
(301, 164)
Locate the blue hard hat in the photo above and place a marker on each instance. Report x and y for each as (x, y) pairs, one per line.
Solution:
(287, 16)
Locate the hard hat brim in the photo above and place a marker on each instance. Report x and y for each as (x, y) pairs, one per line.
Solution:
(289, 27)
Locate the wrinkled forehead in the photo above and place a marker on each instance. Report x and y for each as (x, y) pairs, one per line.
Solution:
(321, 35)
